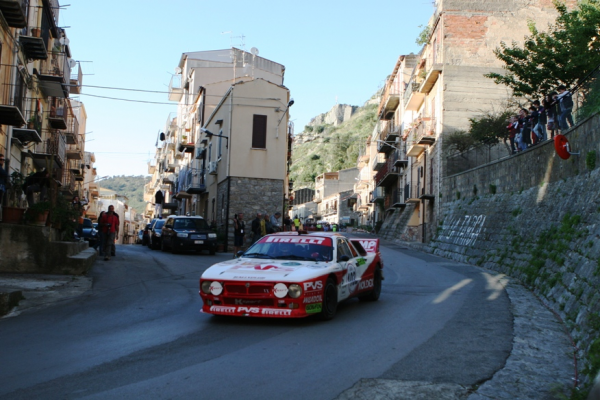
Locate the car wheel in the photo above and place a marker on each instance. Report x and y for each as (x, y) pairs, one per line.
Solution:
(374, 294)
(330, 301)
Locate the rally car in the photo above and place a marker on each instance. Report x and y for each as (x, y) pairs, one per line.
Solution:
(294, 275)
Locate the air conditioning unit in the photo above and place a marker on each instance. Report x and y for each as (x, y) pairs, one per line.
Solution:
(212, 167)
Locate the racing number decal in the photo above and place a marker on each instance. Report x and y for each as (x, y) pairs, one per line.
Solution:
(350, 277)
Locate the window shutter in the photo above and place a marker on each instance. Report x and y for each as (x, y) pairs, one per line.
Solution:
(259, 132)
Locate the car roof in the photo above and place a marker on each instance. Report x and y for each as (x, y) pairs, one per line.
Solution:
(185, 216)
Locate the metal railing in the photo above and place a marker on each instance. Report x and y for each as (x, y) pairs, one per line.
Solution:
(412, 86)
(55, 145)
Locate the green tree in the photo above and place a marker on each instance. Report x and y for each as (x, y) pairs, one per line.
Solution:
(564, 54)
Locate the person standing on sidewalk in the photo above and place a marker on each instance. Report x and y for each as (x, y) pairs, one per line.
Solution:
(239, 231)
(110, 226)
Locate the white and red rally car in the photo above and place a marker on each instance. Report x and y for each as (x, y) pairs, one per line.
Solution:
(294, 275)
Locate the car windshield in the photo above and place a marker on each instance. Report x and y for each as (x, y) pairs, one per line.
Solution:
(190, 224)
(297, 248)
(159, 224)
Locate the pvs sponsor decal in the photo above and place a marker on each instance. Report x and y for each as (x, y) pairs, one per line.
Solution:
(313, 299)
(313, 308)
(365, 284)
(313, 286)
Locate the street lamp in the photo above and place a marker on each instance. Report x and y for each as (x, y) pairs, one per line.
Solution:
(290, 103)
(210, 134)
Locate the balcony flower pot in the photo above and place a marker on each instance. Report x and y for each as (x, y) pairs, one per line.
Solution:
(37, 214)
(12, 215)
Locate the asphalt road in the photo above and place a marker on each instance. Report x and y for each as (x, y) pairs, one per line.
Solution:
(139, 334)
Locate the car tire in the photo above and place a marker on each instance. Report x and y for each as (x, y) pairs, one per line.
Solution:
(330, 301)
(374, 294)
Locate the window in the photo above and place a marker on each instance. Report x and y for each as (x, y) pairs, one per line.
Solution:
(209, 152)
(259, 132)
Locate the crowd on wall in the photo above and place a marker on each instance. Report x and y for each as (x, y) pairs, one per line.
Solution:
(542, 121)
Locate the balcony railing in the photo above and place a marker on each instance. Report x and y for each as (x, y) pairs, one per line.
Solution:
(54, 146)
(329, 211)
(388, 175)
(175, 89)
(75, 149)
(57, 117)
(379, 162)
(76, 80)
(55, 72)
(67, 181)
(421, 135)
(376, 194)
(412, 97)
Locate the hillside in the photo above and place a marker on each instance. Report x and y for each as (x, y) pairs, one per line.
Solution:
(332, 141)
(130, 186)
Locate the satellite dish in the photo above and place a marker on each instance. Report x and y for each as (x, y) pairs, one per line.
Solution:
(254, 51)
(177, 70)
(64, 41)
(72, 63)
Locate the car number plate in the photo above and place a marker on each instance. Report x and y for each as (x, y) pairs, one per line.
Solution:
(198, 241)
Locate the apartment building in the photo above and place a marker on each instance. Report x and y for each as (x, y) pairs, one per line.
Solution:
(332, 192)
(436, 92)
(38, 124)
(227, 148)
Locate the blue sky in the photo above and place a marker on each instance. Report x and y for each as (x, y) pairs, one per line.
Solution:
(331, 50)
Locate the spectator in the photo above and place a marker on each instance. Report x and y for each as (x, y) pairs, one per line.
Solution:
(100, 234)
(276, 222)
(551, 113)
(512, 127)
(159, 199)
(533, 121)
(524, 129)
(239, 231)
(110, 226)
(540, 127)
(258, 225)
(287, 222)
(36, 183)
(297, 223)
(565, 102)
(268, 226)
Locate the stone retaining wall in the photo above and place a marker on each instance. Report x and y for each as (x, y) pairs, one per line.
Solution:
(535, 217)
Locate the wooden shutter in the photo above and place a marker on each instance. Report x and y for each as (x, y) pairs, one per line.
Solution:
(259, 132)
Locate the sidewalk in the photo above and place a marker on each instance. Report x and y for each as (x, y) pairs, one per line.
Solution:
(36, 291)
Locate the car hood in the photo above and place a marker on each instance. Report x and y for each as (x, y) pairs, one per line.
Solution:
(244, 269)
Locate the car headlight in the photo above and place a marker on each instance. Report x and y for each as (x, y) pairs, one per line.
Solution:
(205, 286)
(295, 290)
(212, 235)
(182, 235)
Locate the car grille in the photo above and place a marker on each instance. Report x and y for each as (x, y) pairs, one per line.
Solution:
(253, 289)
(197, 236)
(230, 301)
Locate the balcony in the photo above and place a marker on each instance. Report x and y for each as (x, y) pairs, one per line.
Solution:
(399, 158)
(175, 89)
(387, 176)
(76, 80)
(170, 206)
(420, 137)
(54, 76)
(35, 45)
(57, 119)
(317, 199)
(421, 191)
(431, 78)
(390, 131)
(184, 145)
(31, 133)
(11, 114)
(390, 102)
(329, 211)
(67, 182)
(151, 168)
(53, 148)
(379, 162)
(14, 12)
(376, 194)
(412, 97)
(74, 147)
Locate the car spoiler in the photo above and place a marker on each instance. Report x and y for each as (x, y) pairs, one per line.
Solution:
(370, 245)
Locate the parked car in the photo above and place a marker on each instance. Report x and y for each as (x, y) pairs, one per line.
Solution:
(294, 275)
(156, 234)
(140, 237)
(146, 237)
(90, 233)
(181, 233)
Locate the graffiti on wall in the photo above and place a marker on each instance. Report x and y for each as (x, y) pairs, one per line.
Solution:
(462, 231)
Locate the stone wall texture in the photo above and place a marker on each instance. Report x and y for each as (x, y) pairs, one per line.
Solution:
(536, 218)
(250, 196)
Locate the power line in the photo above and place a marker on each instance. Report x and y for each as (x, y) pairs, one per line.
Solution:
(129, 100)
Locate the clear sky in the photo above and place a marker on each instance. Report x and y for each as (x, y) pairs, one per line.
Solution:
(332, 51)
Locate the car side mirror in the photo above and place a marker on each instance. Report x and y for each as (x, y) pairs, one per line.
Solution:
(239, 254)
(344, 258)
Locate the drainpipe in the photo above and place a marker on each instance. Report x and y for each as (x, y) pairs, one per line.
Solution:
(228, 170)
(423, 199)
